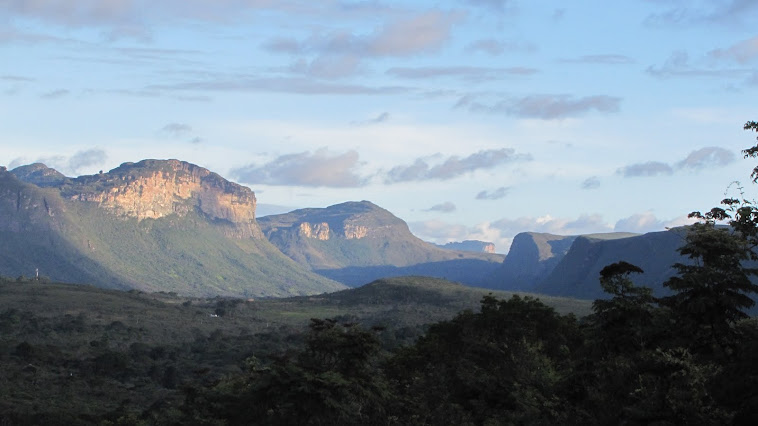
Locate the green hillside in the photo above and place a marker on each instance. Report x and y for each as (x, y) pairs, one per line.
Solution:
(358, 242)
(77, 354)
(74, 241)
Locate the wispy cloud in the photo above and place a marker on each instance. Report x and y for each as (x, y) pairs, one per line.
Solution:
(341, 53)
(584, 224)
(55, 94)
(493, 195)
(498, 47)
(708, 157)
(471, 74)
(679, 65)
(303, 86)
(591, 182)
(648, 222)
(446, 207)
(423, 32)
(381, 118)
(743, 52)
(545, 107)
(321, 168)
(605, 59)
(420, 33)
(79, 160)
(18, 78)
(496, 5)
(327, 66)
(650, 168)
(88, 158)
(726, 12)
(453, 166)
(176, 129)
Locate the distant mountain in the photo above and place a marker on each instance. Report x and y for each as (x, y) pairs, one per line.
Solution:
(570, 265)
(578, 273)
(469, 245)
(358, 242)
(156, 225)
(533, 256)
(416, 291)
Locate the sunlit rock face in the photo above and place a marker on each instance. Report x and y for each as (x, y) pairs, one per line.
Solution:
(319, 231)
(153, 189)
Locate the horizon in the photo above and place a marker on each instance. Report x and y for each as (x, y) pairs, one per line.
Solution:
(468, 119)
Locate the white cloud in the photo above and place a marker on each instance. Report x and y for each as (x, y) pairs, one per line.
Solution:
(650, 168)
(648, 222)
(453, 166)
(711, 156)
(446, 207)
(319, 168)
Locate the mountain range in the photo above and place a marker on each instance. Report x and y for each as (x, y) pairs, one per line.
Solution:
(570, 265)
(358, 242)
(168, 225)
(156, 225)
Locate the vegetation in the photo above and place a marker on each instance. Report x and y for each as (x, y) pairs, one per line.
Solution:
(79, 355)
(388, 248)
(79, 242)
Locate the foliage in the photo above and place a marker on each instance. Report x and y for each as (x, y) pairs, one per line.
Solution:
(505, 362)
(626, 319)
(712, 292)
(332, 381)
(80, 355)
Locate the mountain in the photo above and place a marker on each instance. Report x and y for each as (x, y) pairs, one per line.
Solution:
(156, 225)
(533, 256)
(358, 242)
(578, 273)
(570, 266)
(469, 245)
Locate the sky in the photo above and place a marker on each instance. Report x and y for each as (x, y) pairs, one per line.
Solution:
(468, 119)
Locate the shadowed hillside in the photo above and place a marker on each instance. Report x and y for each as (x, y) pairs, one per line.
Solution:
(358, 242)
(154, 226)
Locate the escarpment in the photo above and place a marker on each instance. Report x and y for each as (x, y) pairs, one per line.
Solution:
(153, 189)
(155, 225)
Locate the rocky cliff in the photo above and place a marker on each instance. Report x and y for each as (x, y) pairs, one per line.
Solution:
(156, 225)
(357, 242)
(578, 272)
(533, 256)
(153, 189)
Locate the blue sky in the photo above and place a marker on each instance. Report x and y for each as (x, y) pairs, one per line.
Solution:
(469, 119)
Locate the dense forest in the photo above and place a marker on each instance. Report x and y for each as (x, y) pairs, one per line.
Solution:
(687, 358)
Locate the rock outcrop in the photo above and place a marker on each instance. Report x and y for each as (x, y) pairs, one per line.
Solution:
(533, 256)
(357, 242)
(153, 226)
(40, 175)
(152, 189)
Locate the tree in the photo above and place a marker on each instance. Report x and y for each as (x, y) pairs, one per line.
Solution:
(624, 320)
(333, 381)
(713, 290)
(504, 365)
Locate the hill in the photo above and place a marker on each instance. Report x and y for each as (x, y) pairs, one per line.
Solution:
(576, 275)
(156, 225)
(569, 266)
(77, 354)
(533, 256)
(358, 242)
